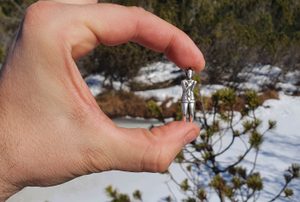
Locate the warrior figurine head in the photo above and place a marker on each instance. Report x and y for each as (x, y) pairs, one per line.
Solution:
(189, 73)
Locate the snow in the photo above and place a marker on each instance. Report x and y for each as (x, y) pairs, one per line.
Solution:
(279, 150)
(163, 72)
(288, 88)
(292, 77)
(155, 73)
(260, 77)
(281, 147)
(158, 72)
(268, 70)
(162, 94)
(97, 83)
(175, 92)
(208, 90)
(290, 82)
(257, 78)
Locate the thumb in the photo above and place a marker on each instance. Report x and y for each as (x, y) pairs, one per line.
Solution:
(154, 150)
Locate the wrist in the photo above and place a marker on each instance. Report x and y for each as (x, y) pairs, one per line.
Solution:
(7, 187)
(7, 173)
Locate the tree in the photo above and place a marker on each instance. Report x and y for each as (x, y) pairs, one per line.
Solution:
(11, 13)
(230, 181)
(116, 196)
(121, 63)
(231, 34)
(201, 161)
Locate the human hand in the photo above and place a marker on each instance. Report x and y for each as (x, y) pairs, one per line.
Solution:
(51, 127)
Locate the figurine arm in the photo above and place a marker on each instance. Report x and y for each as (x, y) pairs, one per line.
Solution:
(194, 83)
(191, 84)
(184, 85)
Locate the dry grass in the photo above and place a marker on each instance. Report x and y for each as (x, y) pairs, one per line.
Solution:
(120, 104)
(269, 94)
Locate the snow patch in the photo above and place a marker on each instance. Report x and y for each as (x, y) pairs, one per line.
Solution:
(288, 88)
(173, 92)
(208, 90)
(292, 77)
(158, 72)
(259, 78)
(97, 83)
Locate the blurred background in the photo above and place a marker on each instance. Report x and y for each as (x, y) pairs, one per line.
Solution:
(249, 45)
(231, 34)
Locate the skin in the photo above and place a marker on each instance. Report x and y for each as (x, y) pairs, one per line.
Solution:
(51, 128)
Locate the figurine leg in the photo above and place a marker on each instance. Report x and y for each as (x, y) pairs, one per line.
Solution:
(192, 111)
(184, 110)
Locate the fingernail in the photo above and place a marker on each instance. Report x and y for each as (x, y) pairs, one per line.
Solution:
(190, 136)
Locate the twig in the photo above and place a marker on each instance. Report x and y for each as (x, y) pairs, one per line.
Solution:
(237, 162)
(282, 190)
(254, 163)
(171, 191)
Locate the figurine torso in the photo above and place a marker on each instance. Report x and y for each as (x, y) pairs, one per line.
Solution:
(188, 90)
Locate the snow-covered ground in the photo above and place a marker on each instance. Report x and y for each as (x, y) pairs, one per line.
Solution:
(155, 73)
(175, 92)
(152, 74)
(257, 78)
(261, 76)
(97, 83)
(279, 150)
(158, 72)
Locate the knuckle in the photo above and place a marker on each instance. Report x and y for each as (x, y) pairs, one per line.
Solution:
(38, 18)
(163, 161)
(163, 164)
(159, 161)
(36, 12)
(162, 167)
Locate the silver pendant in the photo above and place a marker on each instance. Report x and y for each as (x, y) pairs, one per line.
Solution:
(188, 97)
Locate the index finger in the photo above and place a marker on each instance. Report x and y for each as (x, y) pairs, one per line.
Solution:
(114, 24)
(75, 1)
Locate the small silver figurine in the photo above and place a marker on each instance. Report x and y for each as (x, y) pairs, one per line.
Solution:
(188, 98)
